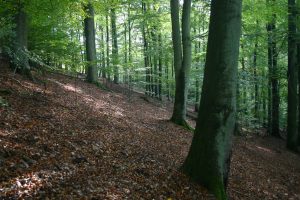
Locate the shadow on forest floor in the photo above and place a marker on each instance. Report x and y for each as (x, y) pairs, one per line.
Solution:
(72, 140)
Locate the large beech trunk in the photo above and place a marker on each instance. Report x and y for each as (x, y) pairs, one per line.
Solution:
(209, 156)
(89, 31)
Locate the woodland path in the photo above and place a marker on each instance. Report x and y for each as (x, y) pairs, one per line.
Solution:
(77, 141)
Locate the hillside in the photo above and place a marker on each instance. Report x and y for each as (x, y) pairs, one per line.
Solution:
(66, 139)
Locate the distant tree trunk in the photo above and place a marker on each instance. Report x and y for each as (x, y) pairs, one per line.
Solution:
(21, 42)
(256, 115)
(107, 46)
(129, 45)
(125, 76)
(292, 129)
(264, 100)
(155, 57)
(274, 89)
(167, 77)
(160, 67)
(244, 92)
(114, 45)
(197, 81)
(209, 157)
(146, 58)
(182, 59)
(89, 32)
(102, 52)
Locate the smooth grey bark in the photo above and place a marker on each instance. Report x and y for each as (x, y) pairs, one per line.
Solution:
(89, 32)
(209, 156)
(182, 59)
(292, 128)
(115, 56)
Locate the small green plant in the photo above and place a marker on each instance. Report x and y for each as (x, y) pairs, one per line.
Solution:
(3, 102)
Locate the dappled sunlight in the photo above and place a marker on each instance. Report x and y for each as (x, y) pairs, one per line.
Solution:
(97, 104)
(265, 149)
(28, 185)
(72, 88)
(36, 87)
(68, 87)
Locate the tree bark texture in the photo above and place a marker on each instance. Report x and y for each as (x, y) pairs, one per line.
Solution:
(209, 156)
(182, 59)
(89, 32)
(292, 128)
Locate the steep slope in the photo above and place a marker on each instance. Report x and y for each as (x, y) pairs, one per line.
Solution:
(72, 140)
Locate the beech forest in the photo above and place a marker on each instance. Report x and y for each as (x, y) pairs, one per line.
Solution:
(150, 99)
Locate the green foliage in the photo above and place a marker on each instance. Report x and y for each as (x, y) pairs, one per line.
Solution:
(56, 39)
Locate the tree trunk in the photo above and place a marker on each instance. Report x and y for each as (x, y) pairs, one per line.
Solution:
(273, 78)
(21, 42)
(89, 32)
(256, 115)
(182, 59)
(298, 65)
(197, 81)
(129, 46)
(292, 129)
(146, 58)
(209, 157)
(107, 46)
(160, 67)
(114, 45)
(102, 52)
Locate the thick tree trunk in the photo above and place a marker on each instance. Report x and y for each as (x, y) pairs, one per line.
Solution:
(273, 78)
(298, 67)
(89, 32)
(292, 129)
(114, 36)
(182, 59)
(21, 41)
(209, 157)
(298, 63)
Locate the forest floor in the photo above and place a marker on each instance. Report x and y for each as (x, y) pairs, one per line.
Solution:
(67, 139)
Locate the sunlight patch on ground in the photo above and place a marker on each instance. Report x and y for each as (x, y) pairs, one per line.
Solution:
(35, 87)
(265, 149)
(26, 185)
(29, 185)
(68, 87)
(4, 133)
(91, 101)
(72, 88)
